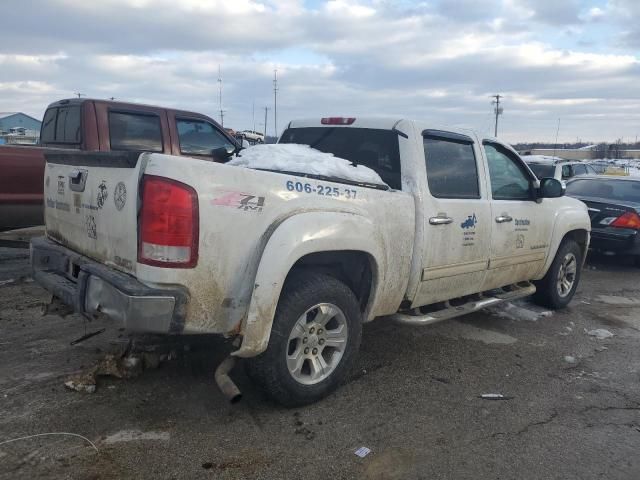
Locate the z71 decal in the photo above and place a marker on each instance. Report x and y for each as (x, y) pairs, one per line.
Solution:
(241, 201)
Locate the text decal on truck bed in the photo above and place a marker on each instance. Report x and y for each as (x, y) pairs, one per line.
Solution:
(325, 190)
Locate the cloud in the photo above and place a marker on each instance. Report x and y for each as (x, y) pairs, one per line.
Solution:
(438, 60)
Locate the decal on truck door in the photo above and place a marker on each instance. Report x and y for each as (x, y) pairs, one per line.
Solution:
(468, 230)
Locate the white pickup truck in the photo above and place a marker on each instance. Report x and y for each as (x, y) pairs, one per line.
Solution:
(293, 264)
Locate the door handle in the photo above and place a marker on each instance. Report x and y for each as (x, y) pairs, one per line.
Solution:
(440, 220)
(503, 218)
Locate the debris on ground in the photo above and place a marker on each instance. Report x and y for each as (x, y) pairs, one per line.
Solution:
(362, 452)
(494, 396)
(569, 359)
(136, 435)
(87, 336)
(599, 333)
(127, 366)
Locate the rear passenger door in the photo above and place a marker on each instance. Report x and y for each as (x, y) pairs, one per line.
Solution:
(520, 226)
(457, 220)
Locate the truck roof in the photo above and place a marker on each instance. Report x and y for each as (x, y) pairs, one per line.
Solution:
(116, 103)
(382, 123)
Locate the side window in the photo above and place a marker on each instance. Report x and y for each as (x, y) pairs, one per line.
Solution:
(566, 171)
(451, 168)
(135, 131)
(198, 137)
(579, 170)
(509, 181)
(591, 170)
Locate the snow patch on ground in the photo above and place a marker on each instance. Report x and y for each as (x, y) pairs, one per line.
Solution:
(136, 435)
(540, 158)
(457, 329)
(291, 157)
(519, 311)
(599, 333)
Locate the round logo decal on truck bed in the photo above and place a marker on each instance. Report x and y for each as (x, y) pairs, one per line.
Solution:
(120, 195)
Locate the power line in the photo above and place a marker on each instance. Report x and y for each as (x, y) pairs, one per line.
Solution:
(498, 110)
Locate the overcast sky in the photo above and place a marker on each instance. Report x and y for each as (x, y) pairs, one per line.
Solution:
(577, 61)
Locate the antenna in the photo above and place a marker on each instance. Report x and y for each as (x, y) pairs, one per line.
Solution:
(220, 95)
(79, 94)
(498, 110)
(275, 103)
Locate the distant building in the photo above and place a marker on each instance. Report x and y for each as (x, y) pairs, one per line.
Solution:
(16, 120)
(18, 128)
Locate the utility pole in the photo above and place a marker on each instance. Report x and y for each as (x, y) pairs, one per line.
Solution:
(556, 142)
(498, 110)
(79, 94)
(253, 114)
(220, 95)
(275, 102)
(266, 109)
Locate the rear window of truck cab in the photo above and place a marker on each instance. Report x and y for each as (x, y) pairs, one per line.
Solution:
(374, 148)
(62, 125)
(135, 131)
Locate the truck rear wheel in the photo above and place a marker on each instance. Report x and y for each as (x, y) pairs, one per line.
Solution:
(314, 341)
(559, 285)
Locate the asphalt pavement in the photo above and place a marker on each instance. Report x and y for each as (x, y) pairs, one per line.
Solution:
(571, 406)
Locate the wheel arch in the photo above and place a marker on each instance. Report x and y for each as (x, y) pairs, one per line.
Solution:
(314, 240)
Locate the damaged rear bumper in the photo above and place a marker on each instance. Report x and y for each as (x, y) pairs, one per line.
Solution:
(90, 288)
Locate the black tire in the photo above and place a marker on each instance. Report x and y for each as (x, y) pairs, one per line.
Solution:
(269, 369)
(547, 293)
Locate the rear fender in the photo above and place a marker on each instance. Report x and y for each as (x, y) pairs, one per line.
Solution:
(294, 238)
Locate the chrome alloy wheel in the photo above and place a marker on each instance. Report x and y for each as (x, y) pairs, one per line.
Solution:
(567, 274)
(316, 343)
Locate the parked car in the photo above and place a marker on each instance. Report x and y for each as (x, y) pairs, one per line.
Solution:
(292, 264)
(561, 170)
(99, 125)
(252, 136)
(614, 208)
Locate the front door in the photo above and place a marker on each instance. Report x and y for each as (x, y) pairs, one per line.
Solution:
(457, 219)
(521, 227)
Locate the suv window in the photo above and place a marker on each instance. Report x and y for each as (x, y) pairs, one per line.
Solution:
(509, 181)
(198, 137)
(135, 131)
(566, 171)
(374, 148)
(579, 170)
(62, 125)
(451, 167)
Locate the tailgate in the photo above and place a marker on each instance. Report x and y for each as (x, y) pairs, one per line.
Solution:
(91, 204)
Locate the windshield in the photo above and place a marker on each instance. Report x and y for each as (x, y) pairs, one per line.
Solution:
(625, 190)
(542, 171)
(373, 148)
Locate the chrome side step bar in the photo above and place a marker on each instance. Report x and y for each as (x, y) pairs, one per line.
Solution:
(476, 302)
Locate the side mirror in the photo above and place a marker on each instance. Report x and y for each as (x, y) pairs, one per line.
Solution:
(550, 188)
(223, 153)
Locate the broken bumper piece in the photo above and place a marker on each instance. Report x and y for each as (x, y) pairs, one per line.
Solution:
(90, 288)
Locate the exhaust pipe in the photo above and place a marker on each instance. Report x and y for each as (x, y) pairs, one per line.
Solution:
(225, 384)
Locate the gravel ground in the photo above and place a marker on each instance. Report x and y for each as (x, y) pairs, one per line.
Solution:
(573, 409)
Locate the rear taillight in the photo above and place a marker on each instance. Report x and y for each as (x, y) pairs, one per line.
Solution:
(627, 220)
(169, 225)
(337, 120)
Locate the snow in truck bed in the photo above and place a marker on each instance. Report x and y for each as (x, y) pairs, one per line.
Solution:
(291, 157)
